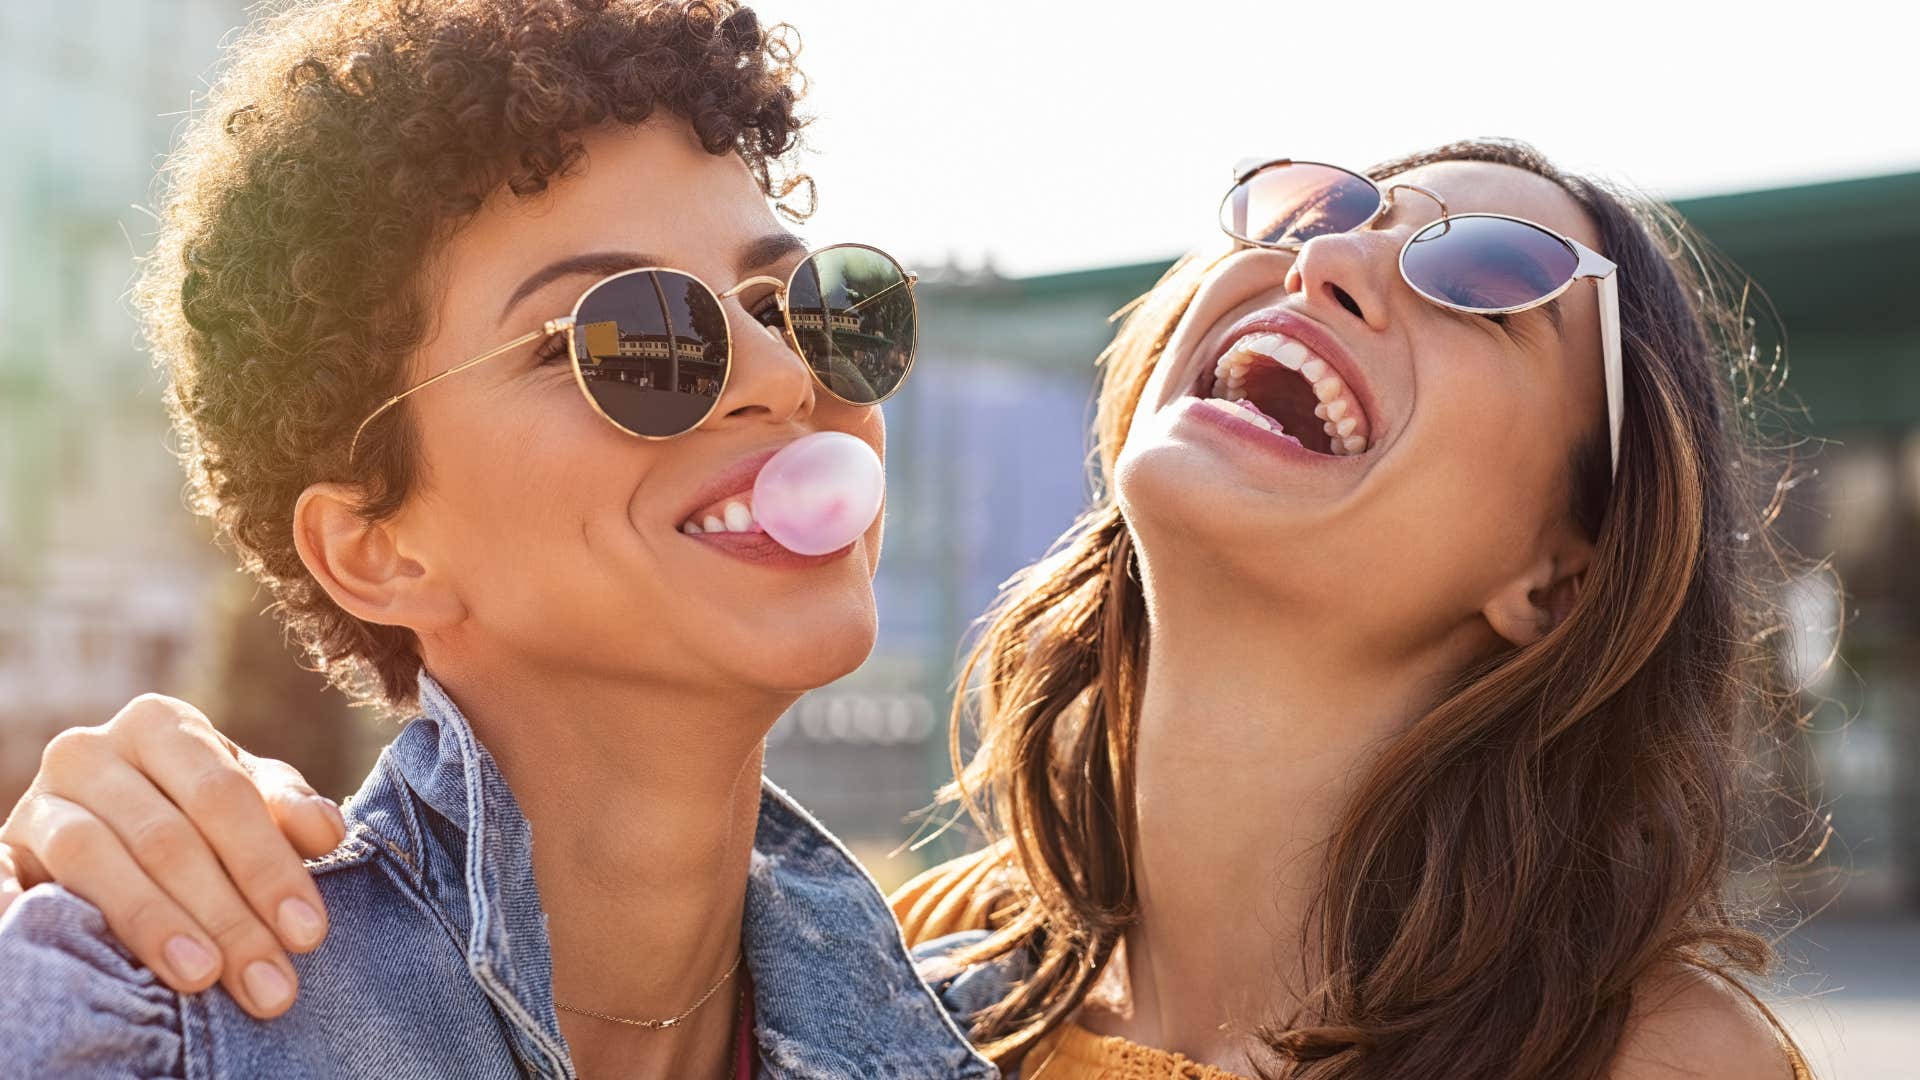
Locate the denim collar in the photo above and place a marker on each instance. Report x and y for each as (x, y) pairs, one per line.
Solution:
(835, 991)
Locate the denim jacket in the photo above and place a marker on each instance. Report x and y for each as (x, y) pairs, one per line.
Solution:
(437, 964)
(966, 991)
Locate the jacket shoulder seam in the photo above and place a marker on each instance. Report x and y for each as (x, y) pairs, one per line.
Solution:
(355, 850)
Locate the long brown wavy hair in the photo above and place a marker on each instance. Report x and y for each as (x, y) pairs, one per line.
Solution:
(1560, 822)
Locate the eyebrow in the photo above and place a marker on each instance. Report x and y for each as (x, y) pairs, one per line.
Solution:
(601, 264)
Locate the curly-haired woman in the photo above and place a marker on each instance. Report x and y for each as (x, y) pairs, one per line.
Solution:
(1382, 717)
(376, 229)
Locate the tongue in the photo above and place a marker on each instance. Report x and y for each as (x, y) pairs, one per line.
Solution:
(1278, 428)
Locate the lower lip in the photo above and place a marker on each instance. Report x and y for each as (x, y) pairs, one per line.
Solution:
(1216, 423)
(762, 550)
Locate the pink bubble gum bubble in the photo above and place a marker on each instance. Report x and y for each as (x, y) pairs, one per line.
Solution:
(819, 493)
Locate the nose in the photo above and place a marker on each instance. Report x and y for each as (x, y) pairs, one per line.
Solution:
(768, 380)
(1352, 272)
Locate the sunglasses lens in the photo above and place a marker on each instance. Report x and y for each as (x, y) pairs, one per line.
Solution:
(1293, 203)
(653, 350)
(1487, 263)
(856, 321)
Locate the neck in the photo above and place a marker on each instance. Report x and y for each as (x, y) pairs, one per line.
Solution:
(1254, 732)
(643, 800)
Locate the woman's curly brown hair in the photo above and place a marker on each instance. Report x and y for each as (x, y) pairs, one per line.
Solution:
(339, 149)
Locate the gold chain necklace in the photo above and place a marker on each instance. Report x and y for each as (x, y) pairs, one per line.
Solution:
(658, 1024)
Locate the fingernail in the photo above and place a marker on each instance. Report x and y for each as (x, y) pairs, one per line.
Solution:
(191, 961)
(299, 922)
(333, 811)
(266, 985)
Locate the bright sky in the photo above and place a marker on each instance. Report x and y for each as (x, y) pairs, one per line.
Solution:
(1062, 135)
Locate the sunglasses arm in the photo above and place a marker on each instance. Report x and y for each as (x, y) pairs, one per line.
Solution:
(1609, 284)
(1606, 276)
(547, 329)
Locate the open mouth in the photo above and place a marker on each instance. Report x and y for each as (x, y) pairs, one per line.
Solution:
(1276, 383)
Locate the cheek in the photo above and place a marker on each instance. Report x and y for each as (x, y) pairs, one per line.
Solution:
(1488, 410)
(1159, 389)
(1481, 466)
(1155, 396)
(516, 464)
(868, 424)
(1486, 472)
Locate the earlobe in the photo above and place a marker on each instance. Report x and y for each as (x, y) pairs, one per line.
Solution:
(362, 564)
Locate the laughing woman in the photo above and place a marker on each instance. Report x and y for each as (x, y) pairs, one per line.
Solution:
(1380, 720)
(1384, 720)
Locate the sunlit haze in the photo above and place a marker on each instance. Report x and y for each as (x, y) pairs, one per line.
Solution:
(1056, 136)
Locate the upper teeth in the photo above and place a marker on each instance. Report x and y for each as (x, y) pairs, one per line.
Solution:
(1342, 418)
(736, 516)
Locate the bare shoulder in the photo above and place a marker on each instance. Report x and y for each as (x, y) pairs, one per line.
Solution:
(1689, 1023)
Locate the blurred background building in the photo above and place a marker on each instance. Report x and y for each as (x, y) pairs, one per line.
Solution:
(108, 587)
(103, 577)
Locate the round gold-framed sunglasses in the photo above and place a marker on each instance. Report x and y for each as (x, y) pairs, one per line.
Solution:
(1480, 264)
(652, 351)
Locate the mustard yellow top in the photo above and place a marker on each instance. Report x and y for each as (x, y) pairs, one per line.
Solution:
(1074, 1053)
(957, 895)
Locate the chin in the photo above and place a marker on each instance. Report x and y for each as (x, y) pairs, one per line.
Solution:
(826, 660)
(1196, 526)
(1175, 490)
(795, 648)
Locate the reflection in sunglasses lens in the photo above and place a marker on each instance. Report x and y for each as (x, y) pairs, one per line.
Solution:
(1487, 263)
(1293, 203)
(855, 320)
(653, 350)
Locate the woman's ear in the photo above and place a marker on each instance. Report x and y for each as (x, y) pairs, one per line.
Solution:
(1535, 601)
(366, 566)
